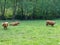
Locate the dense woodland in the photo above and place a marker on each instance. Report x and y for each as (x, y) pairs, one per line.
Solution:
(29, 9)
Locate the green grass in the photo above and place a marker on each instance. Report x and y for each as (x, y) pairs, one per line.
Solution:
(30, 32)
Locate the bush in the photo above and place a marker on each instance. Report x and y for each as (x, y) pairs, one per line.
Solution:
(8, 13)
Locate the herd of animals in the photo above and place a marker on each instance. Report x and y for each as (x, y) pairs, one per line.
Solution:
(5, 24)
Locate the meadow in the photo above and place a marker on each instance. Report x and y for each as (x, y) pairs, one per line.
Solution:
(30, 32)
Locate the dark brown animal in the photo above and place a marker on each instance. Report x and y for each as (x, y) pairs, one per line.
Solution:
(14, 23)
(5, 25)
(50, 22)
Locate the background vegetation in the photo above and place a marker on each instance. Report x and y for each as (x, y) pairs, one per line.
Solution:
(29, 9)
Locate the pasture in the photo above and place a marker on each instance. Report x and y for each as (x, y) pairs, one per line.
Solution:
(30, 32)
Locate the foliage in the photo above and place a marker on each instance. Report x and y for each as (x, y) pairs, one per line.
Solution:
(39, 9)
(8, 13)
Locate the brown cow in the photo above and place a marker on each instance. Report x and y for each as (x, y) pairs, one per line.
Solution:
(14, 23)
(5, 25)
(50, 22)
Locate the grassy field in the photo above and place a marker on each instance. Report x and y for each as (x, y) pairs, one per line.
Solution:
(30, 32)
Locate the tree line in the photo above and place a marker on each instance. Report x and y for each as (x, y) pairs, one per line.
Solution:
(29, 9)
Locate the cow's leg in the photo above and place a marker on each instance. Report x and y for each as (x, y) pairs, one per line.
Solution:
(46, 24)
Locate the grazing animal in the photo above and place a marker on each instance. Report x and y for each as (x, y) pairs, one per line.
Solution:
(50, 22)
(5, 25)
(14, 23)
